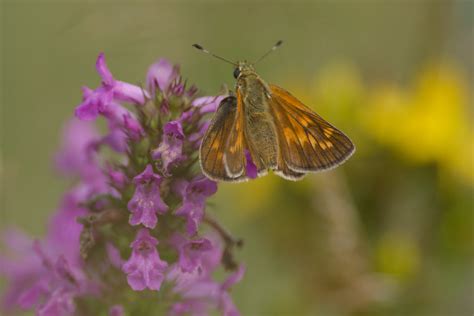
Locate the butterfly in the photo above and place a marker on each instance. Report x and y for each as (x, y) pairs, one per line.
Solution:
(262, 127)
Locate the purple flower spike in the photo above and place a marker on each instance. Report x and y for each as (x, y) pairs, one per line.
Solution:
(194, 196)
(208, 104)
(227, 305)
(170, 150)
(190, 307)
(160, 75)
(234, 278)
(74, 156)
(97, 101)
(133, 127)
(59, 303)
(115, 113)
(144, 269)
(116, 310)
(192, 91)
(197, 136)
(78, 266)
(250, 167)
(190, 251)
(116, 138)
(174, 128)
(146, 201)
(31, 296)
(104, 72)
(113, 254)
(128, 92)
(93, 103)
(200, 293)
(116, 177)
(57, 285)
(122, 91)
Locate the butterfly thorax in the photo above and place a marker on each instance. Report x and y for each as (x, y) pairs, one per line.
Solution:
(251, 85)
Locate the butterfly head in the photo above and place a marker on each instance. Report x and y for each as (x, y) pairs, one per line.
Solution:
(242, 68)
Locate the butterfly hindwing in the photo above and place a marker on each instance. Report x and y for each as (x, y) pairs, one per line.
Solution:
(306, 141)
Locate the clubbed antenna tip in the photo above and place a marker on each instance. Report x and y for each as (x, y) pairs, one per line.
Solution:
(277, 44)
(197, 46)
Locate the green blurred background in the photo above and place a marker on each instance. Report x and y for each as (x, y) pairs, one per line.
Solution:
(389, 233)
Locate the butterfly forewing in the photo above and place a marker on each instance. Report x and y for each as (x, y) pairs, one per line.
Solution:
(215, 140)
(306, 141)
(234, 157)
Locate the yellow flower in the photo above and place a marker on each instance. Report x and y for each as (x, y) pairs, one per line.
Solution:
(397, 255)
(428, 123)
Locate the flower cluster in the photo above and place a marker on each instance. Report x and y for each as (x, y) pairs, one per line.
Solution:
(131, 226)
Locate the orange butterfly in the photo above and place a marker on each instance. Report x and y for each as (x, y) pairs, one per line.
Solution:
(265, 126)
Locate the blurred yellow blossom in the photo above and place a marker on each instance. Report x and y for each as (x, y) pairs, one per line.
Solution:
(397, 255)
(427, 123)
(339, 90)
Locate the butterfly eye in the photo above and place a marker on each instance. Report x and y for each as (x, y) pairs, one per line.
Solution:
(236, 73)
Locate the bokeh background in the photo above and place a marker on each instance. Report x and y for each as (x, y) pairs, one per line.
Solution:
(389, 233)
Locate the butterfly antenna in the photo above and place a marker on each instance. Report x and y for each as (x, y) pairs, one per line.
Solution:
(216, 56)
(277, 44)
